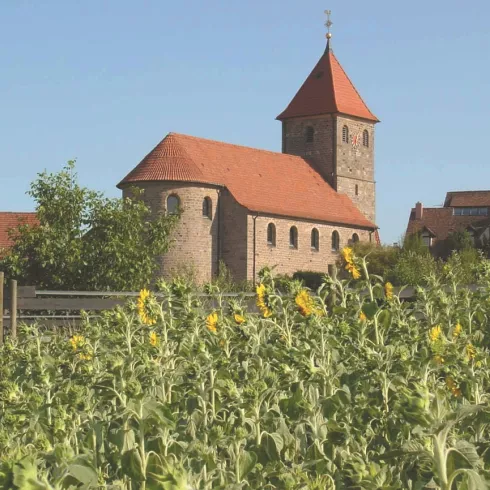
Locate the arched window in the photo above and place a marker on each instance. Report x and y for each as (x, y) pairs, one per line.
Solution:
(271, 234)
(335, 241)
(293, 237)
(365, 138)
(345, 134)
(173, 204)
(355, 238)
(357, 190)
(207, 207)
(310, 134)
(315, 239)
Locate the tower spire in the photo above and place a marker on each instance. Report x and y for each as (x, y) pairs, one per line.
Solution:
(328, 24)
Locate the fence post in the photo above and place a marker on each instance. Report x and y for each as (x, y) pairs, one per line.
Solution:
(1, 308)
(13, 308)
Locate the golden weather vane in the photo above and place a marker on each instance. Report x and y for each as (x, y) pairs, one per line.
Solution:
(328, 24)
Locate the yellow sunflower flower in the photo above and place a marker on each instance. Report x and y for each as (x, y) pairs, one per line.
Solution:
(457, 330)
(143, 308)
(304, 302)
(153, 339)
(362, 316)
(438, 359)
(470, 352)
(262, 301)
(77, 341)
(451, 384)
(86, 357)
(348, 255)
(389, 291)
(435, 333)
(239, 319)
(212, 321)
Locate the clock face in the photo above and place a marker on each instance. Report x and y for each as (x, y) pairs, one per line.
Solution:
(356, 140)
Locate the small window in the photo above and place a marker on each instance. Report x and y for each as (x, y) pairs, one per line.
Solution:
(483, 212)
(293, 237)
(465, 211)
(365, 138)
(271, 234)
(355, 238)
(335, 241)
(345, 134)
(458, 211)
(315, 239)
(474, 212)
(426, 239)
(173, 204)
(207, 207)
(357, 190)
(310, 134)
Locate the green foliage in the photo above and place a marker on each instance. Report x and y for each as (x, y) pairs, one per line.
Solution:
(84, 240)
(381, 259)
(414, 268)
(181, 392)
(459, 240)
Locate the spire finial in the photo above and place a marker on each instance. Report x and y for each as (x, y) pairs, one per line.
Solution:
(328, 24)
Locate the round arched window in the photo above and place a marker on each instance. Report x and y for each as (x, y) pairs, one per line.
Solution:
(355, 238)
(207, 207)
(335, 241)
(293, 237)
(173, 204)
(271, 234)
(315, 239)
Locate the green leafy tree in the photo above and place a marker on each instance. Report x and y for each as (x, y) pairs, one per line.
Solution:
(84, 240)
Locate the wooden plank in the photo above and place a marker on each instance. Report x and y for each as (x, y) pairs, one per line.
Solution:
(56, 304)
(13, 308)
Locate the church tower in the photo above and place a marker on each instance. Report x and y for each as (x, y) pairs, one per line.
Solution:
(329, 125)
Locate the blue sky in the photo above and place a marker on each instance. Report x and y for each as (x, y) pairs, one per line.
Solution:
(104, 81)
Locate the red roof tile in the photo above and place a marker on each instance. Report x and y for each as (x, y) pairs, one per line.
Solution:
(327, 90)
(467, 199)
(10, 220)
(441, 222)
(262, 181)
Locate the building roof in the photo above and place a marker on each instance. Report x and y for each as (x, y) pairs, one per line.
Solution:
(441, 222)
(327, 90)
(9, 220)
(262, 181)
(467, 199)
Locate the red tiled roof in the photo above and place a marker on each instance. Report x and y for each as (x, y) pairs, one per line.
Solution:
(467, 199)
(441, 222)
(327, 90)
(9, 220)
(262, 181)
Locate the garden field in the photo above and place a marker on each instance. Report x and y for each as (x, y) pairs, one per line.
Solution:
(335, 390)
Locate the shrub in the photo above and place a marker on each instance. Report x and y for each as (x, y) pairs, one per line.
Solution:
(381, 259)
(413, 268)
(310, 279)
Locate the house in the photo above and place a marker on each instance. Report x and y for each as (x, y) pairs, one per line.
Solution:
(11, 220)
(461, 211)
(251, 208)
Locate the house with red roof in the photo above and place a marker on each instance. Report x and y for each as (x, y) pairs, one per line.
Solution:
(462, 211)
(251, 208)
(11, 221)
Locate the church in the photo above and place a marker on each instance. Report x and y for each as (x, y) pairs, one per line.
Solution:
(250, 208)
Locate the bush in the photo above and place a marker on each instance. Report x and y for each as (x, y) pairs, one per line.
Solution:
(310, 279)
(414, 268)
(381, 259)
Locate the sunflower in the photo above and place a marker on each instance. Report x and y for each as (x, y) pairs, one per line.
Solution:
(153, 339)
(86, 357)
(362, 316)
(451, 384)
(348, 255)
(77, 341)
(146, 316)
(435, 333)
(389, 291)
(457, 330)
(239, 319)
(305, 303)
(212, 321)
(262, 301)
(438, 359)
(470, 352)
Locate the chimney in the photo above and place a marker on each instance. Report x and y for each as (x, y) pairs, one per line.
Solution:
(419, 210)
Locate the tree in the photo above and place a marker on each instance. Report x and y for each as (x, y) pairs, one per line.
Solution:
(84, 240)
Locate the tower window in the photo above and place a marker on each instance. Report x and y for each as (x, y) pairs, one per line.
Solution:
(173, 204)
(345, 134)
(335, 241)
(207, 207)
(365, 138)
(357, 190)
(315, 239)
(271, 234)
(293, 237)
(310, 134)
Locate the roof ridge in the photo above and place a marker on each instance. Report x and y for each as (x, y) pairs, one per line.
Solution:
(235, 145)
(332, 78)
(461, 192)
(353, 86)
(17, 212)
